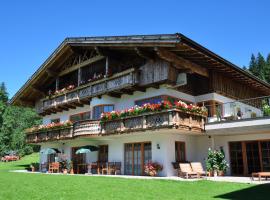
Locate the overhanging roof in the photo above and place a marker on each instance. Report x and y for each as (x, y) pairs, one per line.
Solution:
(178, 43)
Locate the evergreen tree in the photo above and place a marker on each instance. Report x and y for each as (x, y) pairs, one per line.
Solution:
(267, 68)
(261, 66)
(13, 121)
(3, 101)
(253, 68)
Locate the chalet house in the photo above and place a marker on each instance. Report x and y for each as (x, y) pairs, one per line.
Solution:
(87, 76)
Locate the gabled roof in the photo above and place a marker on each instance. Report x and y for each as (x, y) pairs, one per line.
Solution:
(177, 43)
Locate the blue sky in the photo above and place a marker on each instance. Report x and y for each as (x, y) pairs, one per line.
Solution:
(31, 30)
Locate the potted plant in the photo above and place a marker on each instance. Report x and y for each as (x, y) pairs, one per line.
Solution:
(152, 168)
(34, 167)
(65, 166)
(216, 163)
(211, 162)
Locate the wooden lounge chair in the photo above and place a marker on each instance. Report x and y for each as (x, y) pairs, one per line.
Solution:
(197, 167)
(260, 175)
(185, 171)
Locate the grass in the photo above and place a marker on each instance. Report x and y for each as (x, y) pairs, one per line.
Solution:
(41, 186)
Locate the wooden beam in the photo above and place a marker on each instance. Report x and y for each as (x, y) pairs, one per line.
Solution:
(82, 64)
(98, 51)
(144, 54)
(181, 62)
(36, 89)
(51, 73)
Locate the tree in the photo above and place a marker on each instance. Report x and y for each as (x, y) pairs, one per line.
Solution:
(253, 68)
(3, 101)
(260, 67)
(13, 136)
(267, 68)
(13, 121)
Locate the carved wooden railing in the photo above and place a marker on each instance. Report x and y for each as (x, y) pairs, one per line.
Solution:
(87, 127)
(173, 118)
(49, 135)
(118, 81)
(165, 119)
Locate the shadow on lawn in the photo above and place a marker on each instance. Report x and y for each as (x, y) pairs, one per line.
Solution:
(25, 166)
(256, 192)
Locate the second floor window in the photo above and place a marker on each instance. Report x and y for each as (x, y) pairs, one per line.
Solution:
(80, 116)
(156, 99)
(97, 110)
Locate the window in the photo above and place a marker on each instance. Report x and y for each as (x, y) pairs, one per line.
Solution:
(156, 99)
(180, 152)
(55, 120)
(80, 116)
(97, 110)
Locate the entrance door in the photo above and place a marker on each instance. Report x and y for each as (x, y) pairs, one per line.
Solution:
(79, 161)
(253, 157)
(136, 156)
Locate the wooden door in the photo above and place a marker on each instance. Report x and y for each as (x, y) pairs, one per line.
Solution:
(78, 161)
(265, 155)
(236, 158)
(253, 157)
(136, 156)
(103, 153)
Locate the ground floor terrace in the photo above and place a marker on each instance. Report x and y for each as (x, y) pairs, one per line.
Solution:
(246, 152)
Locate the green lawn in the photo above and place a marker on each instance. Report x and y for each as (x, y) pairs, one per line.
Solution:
(41, 186)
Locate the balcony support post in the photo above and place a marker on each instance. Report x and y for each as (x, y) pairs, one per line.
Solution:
(144, 122)
(107, 67)
(79, 76)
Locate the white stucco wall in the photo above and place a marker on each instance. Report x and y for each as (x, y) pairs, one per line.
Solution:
(165, 155)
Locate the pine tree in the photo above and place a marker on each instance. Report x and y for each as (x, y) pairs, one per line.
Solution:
(3, 101)
(267, 68)
(261, 66)
(253, 68)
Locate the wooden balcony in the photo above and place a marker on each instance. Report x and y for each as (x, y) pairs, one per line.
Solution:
(149, 121)
(87, 127)
(50, 135)
(81, 95)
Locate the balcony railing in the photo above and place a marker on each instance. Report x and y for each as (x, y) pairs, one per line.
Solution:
(87, 127)
(115, 83)
(253, 108)
(50, 135)
(173, 118)
(156, 120)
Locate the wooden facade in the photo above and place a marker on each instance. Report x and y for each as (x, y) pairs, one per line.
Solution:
(156, 59)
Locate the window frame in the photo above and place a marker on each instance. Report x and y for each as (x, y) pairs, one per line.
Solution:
(102, 109)
(81, 116)
(163, 97)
